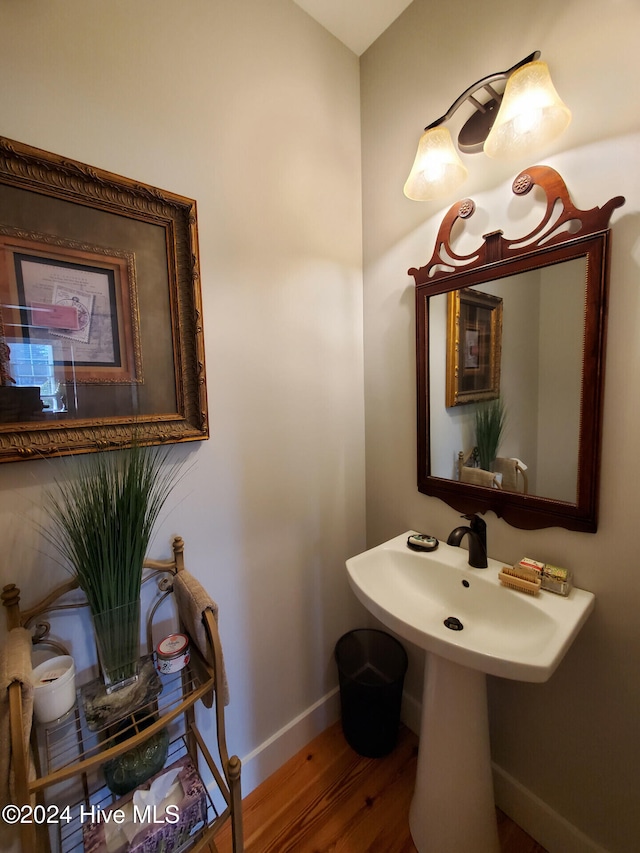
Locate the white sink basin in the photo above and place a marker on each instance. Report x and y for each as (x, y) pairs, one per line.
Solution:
(505, 632)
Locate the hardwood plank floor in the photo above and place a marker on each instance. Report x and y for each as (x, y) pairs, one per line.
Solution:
(329, 799)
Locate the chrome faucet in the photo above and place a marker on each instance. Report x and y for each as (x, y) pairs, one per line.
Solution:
(477, 532)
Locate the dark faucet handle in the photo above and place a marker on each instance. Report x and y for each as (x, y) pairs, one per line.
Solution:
(479, 527)
(478, 524)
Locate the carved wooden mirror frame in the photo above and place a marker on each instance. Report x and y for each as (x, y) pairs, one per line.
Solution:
(564, 233)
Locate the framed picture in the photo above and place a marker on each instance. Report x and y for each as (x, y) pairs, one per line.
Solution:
(101, 336)
(474, 344)
(82, 301)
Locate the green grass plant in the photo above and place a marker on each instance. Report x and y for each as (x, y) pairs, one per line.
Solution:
(490, 420)
(102, 517)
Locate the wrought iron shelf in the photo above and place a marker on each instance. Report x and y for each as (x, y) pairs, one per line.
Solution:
(73, 750)
(71, 830)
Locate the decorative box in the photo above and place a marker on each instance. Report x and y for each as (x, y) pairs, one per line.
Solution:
(158, 817)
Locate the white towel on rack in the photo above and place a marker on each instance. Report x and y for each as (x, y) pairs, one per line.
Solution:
(15, 666)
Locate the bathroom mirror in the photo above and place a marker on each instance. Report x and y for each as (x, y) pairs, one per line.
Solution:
(552, 289)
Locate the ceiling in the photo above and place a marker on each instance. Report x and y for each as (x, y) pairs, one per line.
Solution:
(357, 23)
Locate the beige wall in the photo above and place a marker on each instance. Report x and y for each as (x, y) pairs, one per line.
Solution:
(568, 752)
(252, 109)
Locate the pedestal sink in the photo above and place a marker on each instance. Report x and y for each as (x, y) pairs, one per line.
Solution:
(470, 626)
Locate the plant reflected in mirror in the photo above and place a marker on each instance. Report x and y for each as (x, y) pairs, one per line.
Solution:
(490, 421)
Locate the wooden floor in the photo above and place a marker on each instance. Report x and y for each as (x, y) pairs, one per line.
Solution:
(328, 799)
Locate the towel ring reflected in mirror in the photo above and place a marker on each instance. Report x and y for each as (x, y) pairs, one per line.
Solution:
(552, 285)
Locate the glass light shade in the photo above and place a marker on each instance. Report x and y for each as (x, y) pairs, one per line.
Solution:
(437, 169)
(530, 116)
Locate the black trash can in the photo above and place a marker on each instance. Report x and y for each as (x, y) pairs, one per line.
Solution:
(371, 669)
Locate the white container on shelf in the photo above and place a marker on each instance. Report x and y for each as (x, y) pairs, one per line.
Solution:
(54, 688)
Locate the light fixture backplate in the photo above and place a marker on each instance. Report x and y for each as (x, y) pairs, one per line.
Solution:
(475, 130)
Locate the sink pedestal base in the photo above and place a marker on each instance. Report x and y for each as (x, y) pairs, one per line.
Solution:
(453, 804)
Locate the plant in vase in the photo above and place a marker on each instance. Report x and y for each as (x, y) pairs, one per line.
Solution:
(102, 517)
(490, 420)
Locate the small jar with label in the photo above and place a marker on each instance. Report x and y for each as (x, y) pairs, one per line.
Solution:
(172, 653)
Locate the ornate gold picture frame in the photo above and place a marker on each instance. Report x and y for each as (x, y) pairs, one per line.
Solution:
(100, 310)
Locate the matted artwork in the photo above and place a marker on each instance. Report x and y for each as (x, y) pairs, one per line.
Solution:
(474, 344)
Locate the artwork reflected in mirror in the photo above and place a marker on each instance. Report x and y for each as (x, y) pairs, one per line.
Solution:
(474, 339)
(540, 400)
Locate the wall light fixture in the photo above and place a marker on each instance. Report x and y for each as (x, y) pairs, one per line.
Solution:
(526, 115)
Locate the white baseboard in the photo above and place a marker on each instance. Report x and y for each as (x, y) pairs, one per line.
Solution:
(290, 739)
(281, 746)
(538, 819)
(259, 764)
